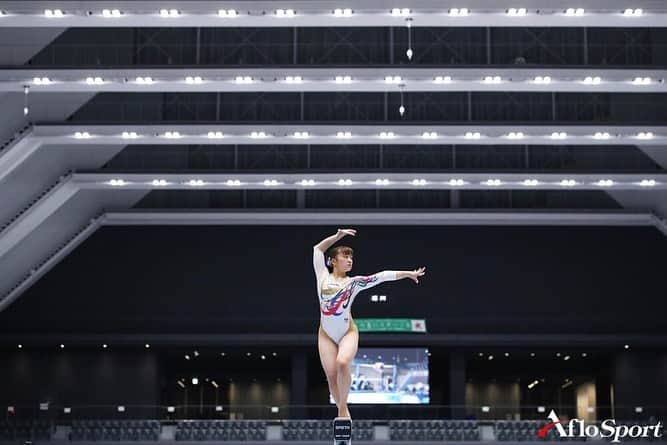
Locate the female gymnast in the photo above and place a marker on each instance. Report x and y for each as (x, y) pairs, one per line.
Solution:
(338, 336)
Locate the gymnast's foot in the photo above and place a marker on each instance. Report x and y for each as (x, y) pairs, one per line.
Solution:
(344, 413)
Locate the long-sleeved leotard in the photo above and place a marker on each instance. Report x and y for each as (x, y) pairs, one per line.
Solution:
(337, 295)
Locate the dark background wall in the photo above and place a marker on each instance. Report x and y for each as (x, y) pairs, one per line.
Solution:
(76, 377)
(260, 279)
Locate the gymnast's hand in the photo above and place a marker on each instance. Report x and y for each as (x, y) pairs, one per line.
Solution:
(415, 274)
(342, 232)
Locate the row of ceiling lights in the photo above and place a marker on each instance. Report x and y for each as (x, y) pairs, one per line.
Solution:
(187, 356)
(104, 346)
(491, 182)
(224, 354)
(532, 354)
(516, 135)
(338, 12)
(275, 354)
(346, 79)
(557, 354)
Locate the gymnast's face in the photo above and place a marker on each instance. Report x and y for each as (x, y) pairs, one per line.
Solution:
(342, 262)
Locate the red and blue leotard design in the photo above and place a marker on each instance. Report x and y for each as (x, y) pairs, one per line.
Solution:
(337, 295)
(342, 299)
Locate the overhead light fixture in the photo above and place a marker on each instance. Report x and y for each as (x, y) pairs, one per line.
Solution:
(41, 81)
(94, 81)
(307, 182)
(227, 13)
(243, 79)
(641, 81)
(419, 182)
(645, 135)
(646, 183)
(400, 12)
(271, 182)
(344, 134)
(196, 80)
(215, 135)
(387, 135)
(568, 182)
(347, 12)
(54, 13)
(117, 182)
(293, 79)
(144, 80)
(459, 12)
(344, 182)
(258, 134)
(233, 183)
(172, 135)
(285, 13)
(493, 182)
(111, 13)
(605, 183)
(343, 79)
(472, 135)
(82, 135)
(169, 13)
(590, 80)
(392, 79)
(542, 80)
(517, 12)
(301, 134)
(574, 12)
(530, 182)
(129, 135)
(382, 181)
(515, 135)
(443, 79)
(558, 135)
(492, 79)
(629, 12)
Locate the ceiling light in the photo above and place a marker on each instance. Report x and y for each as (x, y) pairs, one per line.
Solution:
(227, 13)
(169, 13)
(400, 12)
(51, 13)
(459, 12)
(574, 12)
(284, 13)
(347, 12)
(111, 13)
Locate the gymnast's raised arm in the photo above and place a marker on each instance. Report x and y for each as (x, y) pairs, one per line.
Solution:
(329, 241)
(318, 251)
(389, 275)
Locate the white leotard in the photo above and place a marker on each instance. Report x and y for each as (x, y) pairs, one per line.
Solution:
(337, 295)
